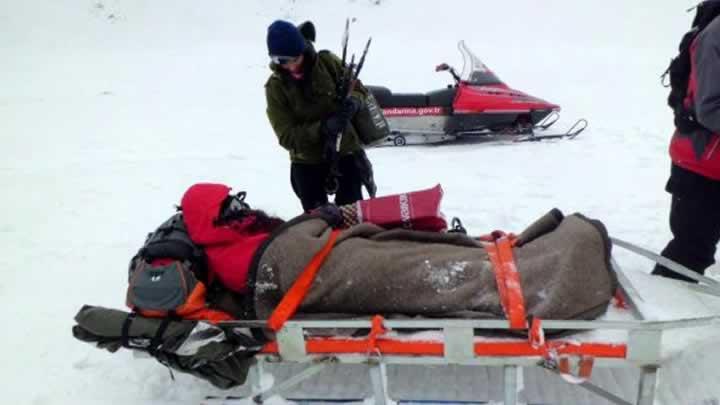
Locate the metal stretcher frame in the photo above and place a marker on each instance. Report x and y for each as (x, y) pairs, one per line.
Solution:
(460, 346)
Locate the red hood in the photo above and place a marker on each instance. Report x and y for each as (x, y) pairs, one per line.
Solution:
(201, 207)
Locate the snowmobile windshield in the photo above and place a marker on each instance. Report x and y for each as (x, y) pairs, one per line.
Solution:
(474, 71)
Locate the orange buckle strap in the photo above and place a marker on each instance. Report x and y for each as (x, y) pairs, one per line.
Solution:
(536, 336)
(297, 292)
(507, 277)
(582, 372)
(376, 330)
(557, 356)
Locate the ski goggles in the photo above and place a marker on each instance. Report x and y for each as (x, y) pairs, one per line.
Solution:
(283, 60)
(233, 208)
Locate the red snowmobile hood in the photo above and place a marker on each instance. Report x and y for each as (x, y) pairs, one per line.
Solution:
(201, 207)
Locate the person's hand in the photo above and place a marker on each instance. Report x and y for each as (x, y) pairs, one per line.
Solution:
(334, 124)
(330, 213)
(330, 129)
(337, 121)
(351, 105)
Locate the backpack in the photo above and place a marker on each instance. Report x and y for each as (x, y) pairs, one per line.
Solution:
(168, 275)
(680, 66)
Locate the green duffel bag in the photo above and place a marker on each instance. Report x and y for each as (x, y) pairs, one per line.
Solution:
(223, 357)
(370, 123)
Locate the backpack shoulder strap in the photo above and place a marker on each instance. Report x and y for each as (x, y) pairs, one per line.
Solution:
(325, 57)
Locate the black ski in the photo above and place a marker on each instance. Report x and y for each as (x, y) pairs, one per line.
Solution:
(575, 130)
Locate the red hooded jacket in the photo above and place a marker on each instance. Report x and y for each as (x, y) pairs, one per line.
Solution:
(230, 249)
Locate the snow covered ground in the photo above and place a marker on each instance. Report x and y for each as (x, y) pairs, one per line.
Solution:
(110, 109)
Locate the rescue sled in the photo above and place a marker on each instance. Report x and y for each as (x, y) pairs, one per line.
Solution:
(625, 339)
(477, 104)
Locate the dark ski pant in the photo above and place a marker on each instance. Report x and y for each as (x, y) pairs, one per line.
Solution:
(308, 183)
(695, 225)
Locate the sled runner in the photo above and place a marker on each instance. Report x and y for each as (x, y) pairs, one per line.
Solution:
(477, 104)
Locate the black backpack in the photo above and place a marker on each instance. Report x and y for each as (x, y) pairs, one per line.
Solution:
(166, 270)
(679, 70)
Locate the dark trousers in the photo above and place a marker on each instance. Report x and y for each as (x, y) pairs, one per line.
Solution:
(695, 225)
(308, 183)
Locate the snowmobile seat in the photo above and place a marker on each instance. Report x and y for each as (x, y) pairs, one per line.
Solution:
(442, 98)
(380, 92)
(386, 98)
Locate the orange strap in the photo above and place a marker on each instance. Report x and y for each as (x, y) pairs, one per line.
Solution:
(536, 335)
(297, 292)
(376, 330)
(507, 278)
(504, 348)
(583, 372)
(550, 351)
(619, 300)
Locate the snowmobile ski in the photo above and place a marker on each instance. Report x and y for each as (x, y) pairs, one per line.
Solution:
(576, 129)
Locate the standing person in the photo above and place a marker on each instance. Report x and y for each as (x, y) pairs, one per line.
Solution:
(695, 152)
(307, 115)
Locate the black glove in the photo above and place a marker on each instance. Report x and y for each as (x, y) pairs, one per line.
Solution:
(351, 105)
(330, 213)
(337, 121)
(330, 129)
(334, 124)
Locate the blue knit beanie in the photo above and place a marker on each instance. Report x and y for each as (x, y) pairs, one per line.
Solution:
(284, 39)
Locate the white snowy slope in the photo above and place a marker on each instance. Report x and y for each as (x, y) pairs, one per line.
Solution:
(110, 109)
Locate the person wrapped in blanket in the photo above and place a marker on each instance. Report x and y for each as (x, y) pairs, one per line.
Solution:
(377, 262)
(563, 262)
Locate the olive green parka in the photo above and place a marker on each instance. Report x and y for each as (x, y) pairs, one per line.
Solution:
(297, 108)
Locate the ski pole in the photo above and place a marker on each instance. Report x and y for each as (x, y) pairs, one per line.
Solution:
(345, 87)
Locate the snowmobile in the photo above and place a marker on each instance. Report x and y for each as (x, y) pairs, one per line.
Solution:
(477, 104)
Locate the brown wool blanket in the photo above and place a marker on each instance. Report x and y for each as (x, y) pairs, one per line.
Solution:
(563, 264)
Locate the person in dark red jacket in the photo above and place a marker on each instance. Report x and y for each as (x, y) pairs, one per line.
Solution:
(695, 173)
(228, 229)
